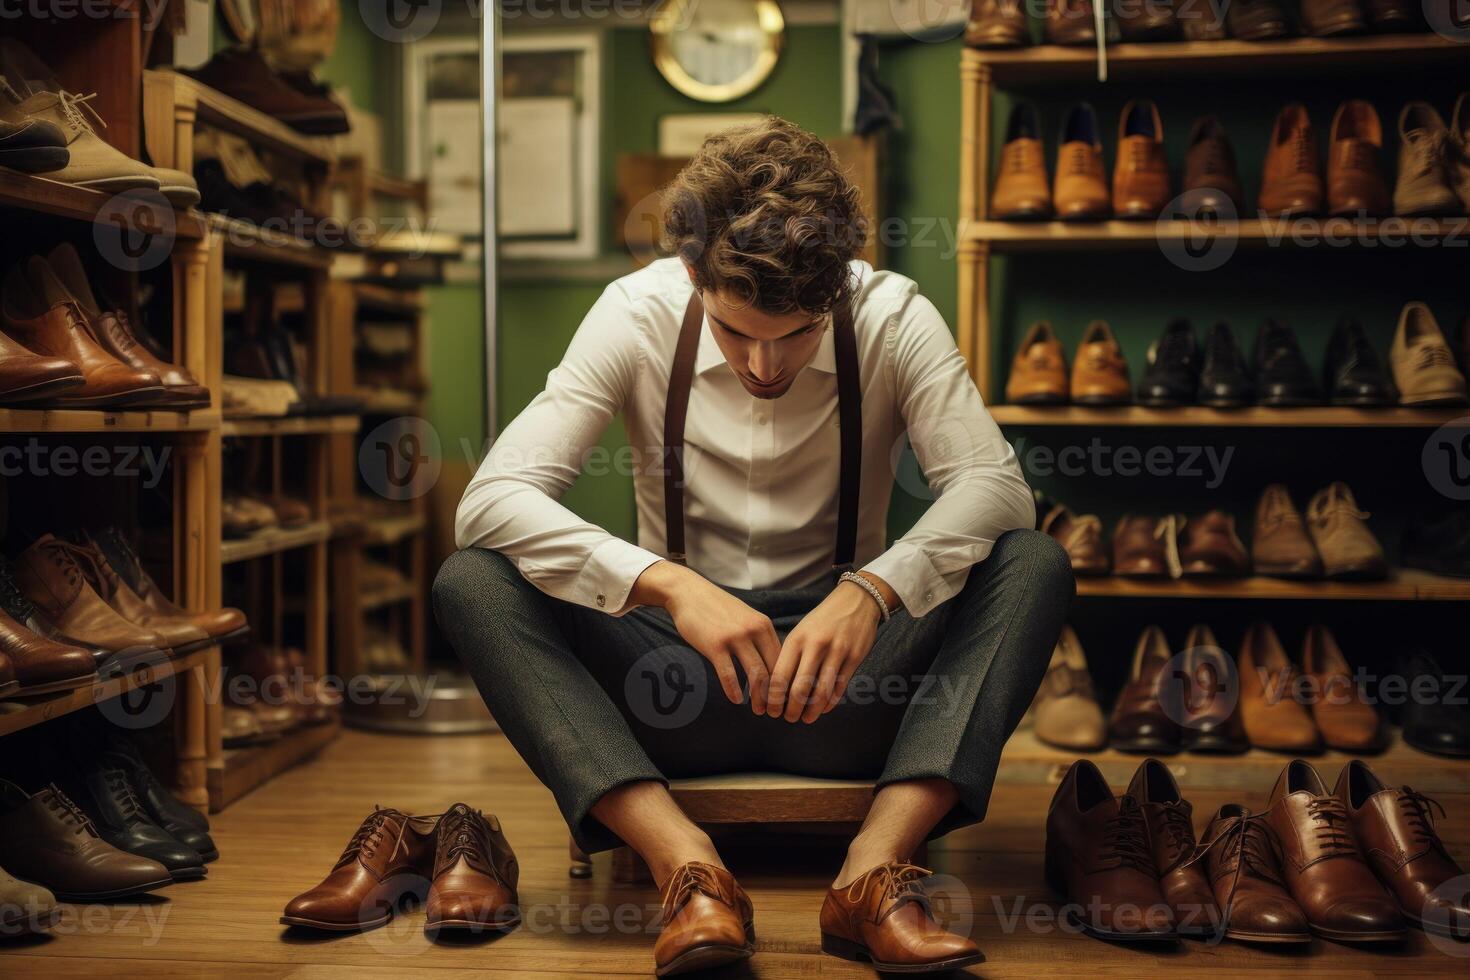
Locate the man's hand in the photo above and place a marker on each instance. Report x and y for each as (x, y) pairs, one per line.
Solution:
(716, 624)
(821, 654)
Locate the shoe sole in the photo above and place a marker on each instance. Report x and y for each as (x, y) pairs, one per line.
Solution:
(469, 925)
(119, 400)
(292, 920)
(1103, 401)
(69, 684)
(42, 389)
(1435, 928)
(190, 874)
(848, 950)
(119, 184)
(1145, 746)
(1391, 936)
(236, 634)
(710, 956)
(1270, 938)
(1218, 747)
(108, 896)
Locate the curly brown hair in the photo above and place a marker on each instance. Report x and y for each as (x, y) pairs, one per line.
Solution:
(764, 214)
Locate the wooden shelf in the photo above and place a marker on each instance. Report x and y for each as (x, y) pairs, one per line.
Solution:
(246, 768)
(27, 192)
(273, 541)
(379, 531)
(389, 401)
(1048, 236)
(404, 591)
(1048, 63)
(246, 242)
(1403, 584)
(290, 425)
(16, 714)
(87, 420)
(1197, 415)
(218, 110)
(404, 302)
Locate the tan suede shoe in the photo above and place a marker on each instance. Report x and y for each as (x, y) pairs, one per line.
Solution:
(1423, 186)
(1423, 365)
(1348, 548)
(1291, 183)
(1039, 372)
(92, 162)
(708, 921)
(1021, 188)
(1141, 173)
(883, 917)
(1355, 181)
(1100, 374)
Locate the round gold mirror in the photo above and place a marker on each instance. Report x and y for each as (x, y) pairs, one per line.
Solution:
(717, 50)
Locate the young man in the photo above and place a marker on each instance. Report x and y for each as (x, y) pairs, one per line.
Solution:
(781, 375)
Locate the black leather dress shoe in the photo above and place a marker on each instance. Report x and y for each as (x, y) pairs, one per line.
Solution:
(1171, 377)
(1430, 724)
(185, 824)
(1282, 376)
(1439, 544)
(108, 796)
(1224, 381)
(1353, 373)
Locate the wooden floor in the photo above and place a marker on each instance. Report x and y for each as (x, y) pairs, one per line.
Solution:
(283, 838)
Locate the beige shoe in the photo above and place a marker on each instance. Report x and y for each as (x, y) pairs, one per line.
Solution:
(24, 908)
(1423, 186)
(1348, 548)
(1065, 712)
(1459, 155)
(1280, 546)
(177, 187)
(1423, 364)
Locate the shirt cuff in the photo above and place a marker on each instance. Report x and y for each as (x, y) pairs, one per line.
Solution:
(607, 578)
(912, 575)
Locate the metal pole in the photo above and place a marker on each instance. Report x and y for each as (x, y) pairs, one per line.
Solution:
(489, 91)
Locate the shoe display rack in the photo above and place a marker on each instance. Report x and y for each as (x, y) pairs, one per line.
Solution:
(106, 54)
(982, 239)
(283, 571)
(380, 568)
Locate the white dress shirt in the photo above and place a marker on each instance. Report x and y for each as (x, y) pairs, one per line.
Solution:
(761, 475)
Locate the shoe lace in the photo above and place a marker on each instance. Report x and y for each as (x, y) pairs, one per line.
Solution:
(1419, 812)
(1279, 510)
(1168, 530)
(1430, 152)
(1076, 159)
(1330, 827)
(119, 333)
(65, 807)
(1337, 500)
(1358, 154)
(1178, 831)
(461, 835)
(1247, 851)
(1432, 355)
(896, 884)
(78, 562)
(77, 109)
(1303, 150)
(121, 788)
(1083, 525)
(686, 880)
(370, 835)
(1125, 840)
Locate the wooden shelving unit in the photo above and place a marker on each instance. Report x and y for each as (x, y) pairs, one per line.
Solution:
(1405, 584)
(1246, 232)
(17, 714)
(1327, 416)
(174, 107)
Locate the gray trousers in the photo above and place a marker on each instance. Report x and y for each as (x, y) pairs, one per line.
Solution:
(592, 702)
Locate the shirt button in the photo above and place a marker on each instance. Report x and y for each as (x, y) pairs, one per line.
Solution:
(761, 419)
(601, 599)
(928, 596)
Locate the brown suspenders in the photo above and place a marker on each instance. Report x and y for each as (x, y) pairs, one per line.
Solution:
(849, 410)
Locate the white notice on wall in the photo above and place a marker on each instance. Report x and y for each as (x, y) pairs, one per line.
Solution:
(538, 167)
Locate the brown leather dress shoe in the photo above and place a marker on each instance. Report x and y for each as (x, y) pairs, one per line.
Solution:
(222, 625)
(1345, 719)
(37, 665)
(1247, 882)
(25, 376)
(24, 611)
(475, 875)
(1257, 20)
(1291, 183)
(998, 24)
(1272, 716)
(1209, 717)
(1167, 816)
(1039, 371)
(1210, 173)
(1141, 546)
(54, 326)
(1022, 191)
(883, 917)
(1140, 723)
(388, 858)
(1210, 548)
(1065, 712)
(179, 634)
(1348, 548)
(1142, 20)
(47, 573)
(1280, 546)
(1100, 374)
(1081, 537)
(1355, 181)
(1330, 18)
(8, 683)
(1141, 172)
(1069, 22)
(1081, 191)
(1322, 865)
(46, 838)
(1395, 829)
(113, 331)
(1099, 861)
(708, 921)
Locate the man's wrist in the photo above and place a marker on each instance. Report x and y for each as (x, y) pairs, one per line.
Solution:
(657, 584)
(870, 589)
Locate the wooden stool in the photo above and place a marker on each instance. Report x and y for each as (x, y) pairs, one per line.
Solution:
(794, 804)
